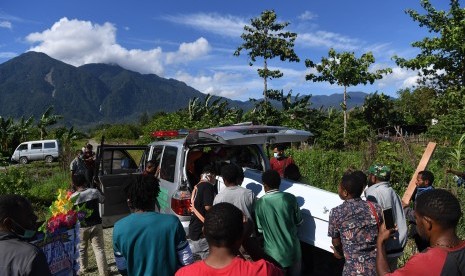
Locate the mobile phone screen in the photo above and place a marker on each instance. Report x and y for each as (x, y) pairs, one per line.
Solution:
(388, 218)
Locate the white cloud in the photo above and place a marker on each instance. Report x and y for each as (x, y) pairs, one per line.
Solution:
(230, 85)
(400, 78)
(6, 24)
(189, 51)
(80, 42)
(8, 54)
(225, 25)
(307, 15)
(325, 39)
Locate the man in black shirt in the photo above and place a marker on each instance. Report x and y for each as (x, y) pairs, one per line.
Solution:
(201, 201)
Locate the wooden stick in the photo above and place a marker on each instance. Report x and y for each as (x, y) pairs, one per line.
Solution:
(421, 166)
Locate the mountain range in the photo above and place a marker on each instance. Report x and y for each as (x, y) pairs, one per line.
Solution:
(101, 93)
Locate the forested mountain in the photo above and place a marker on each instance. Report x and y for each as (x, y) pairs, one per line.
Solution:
(96, 93)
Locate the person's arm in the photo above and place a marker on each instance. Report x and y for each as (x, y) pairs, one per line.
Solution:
(39, 265)
(183, 249)
(337, 248)
(382, 266)
(457, 173)
(120, 260)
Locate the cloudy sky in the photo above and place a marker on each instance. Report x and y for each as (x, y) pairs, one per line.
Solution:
(194, 41)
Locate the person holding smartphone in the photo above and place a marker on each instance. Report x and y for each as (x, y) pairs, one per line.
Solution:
(380, 191)
(437, 213)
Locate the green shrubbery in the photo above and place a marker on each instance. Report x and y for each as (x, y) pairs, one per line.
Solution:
(15, 180)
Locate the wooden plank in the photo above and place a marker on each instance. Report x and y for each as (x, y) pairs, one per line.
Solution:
(421, 167)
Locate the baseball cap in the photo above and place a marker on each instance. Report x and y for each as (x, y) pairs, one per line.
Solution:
(380, 171)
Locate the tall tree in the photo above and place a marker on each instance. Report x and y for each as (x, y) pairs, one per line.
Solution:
(416, 105)
(441, 61)
(6, 128)
(47, 119)
(379, 111)
(265, 38)
(345, 70)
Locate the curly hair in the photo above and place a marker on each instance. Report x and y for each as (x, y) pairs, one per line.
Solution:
(223, 225)
(272, 179)
(441, 206)
(142, 192)
(354, 182)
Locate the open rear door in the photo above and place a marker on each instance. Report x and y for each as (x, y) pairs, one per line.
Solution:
(115, 206)
(116, 168)
(247, 135)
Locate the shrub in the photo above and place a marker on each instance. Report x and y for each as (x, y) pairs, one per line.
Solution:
(15, 181)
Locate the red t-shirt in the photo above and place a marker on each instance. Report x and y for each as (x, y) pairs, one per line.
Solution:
(431, 262)
(280, 164)
(238, 266)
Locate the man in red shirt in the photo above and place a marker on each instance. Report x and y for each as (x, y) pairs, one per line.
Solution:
(224, 231)
(437, 213)
(280, 161)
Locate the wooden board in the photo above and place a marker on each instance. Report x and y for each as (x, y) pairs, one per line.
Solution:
(421, 167)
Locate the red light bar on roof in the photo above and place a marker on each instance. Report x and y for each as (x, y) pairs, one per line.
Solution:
(165, 133)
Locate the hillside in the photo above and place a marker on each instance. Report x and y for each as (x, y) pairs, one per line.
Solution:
(97, 93)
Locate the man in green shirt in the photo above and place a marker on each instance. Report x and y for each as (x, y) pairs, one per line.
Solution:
(278, 217)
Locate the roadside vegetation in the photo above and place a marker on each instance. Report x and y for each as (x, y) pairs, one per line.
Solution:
(343, 138)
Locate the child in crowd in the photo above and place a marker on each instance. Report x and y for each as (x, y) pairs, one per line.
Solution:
(224, 231)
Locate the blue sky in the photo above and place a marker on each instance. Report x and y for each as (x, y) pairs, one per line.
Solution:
(194, 41)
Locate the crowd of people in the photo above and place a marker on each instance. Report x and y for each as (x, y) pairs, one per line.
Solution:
(226, 227)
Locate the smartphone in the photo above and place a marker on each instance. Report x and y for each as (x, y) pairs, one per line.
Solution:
(388, 218)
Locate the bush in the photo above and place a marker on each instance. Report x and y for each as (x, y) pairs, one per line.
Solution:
(324, 168)
(130, 132)
(15, 181)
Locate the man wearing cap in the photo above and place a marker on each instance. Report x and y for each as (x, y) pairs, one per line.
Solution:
(380, 191)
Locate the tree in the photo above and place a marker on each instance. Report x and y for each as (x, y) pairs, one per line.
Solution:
(346, 70)
(47, 119)
(211, 113)
(6, 128)
(265, 38)
(417, 105)
(379, 111)
(441, 61)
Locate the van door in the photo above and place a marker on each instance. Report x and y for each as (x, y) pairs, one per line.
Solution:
(36, 152)
(21, 150)
(50, 149)
(116, 168)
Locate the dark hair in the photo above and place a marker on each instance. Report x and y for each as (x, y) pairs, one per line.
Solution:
(279, 147)
(79, 180)
(353, 183)
(151, 164)
(272, 179)
(209, 169)
(427, 175)
(12, 205)
(142, 192)
(229, 173)
(223, 225)
(292, 172)
(361, 176)
(89, 146)
(439, 205)
(240, 175)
